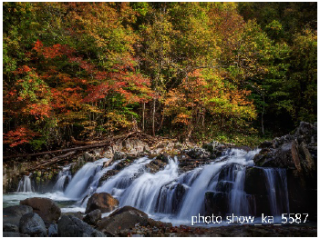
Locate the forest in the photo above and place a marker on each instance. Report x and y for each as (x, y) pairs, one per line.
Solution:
(232, 72)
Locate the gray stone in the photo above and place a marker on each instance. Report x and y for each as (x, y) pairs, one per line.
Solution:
(33, 225)
(123, 218)
(93, 217)
(88, 157)
(13, 214)
(69, 226)
(119, 155)
(53, 230)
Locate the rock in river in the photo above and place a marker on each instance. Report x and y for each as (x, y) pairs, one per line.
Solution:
(33, 225)
(123, 218)
(47, 209)
(103, 201)
(69, 226)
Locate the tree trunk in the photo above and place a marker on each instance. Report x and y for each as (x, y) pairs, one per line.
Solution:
(262, 114)
(144, 108)
(153, 116)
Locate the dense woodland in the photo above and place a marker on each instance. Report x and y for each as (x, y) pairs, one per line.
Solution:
(194, 71)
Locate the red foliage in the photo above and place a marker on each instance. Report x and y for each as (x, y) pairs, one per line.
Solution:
(19, 136)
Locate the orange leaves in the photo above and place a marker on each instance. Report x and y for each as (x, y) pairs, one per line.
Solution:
(19, 136)
(23, 69)
(52, 52)
(38, 46)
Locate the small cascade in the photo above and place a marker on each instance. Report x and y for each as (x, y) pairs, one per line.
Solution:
(225, 174)
(239, 204)
(144, 192)
(64, 177)
(277, 190)
(117, 184)
(81, 181)
(25, 184)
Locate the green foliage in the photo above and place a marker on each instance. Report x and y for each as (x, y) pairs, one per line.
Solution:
(184, 69)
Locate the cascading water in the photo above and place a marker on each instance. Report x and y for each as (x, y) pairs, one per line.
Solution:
(86, 178)
(171, 195)
(25, 184)
(278, 198)
(64, 177)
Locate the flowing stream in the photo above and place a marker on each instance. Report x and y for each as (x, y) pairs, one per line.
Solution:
(169, 194)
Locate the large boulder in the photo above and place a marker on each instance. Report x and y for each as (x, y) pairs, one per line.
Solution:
(13, 214)
(33, 225)
(47, 209)
(70, 226)
(103, 201)
(93, 217)
(123, 218)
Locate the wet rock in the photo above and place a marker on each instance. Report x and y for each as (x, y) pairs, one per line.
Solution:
(69, 226)
(224, 186)
(228, 173)
(123, 218)
(13, 214)
(155, 166)
(177, 197)
(8, 227)
(213, 146)
(281, 157)
(103, 201)
(198, 153)
(216, 203)
(118, 155)
(255, 181)
(93, 217)
(88, 157)
(164, 157)
(47, 209)
(302, 193)
(33, 225)
(53, 230)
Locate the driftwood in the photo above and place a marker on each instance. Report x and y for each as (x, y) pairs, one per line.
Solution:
(86, 145)
(59, 151)
(52, 161)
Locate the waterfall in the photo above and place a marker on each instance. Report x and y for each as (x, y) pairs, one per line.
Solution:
(64, 177)
(174, 195)
(277, 190)
(81, 181)
(143, 193)
(25, 184)
(118, 183)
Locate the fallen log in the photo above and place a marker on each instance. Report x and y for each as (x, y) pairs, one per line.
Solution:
(80, 148)
(77, 142)
(102, 143)
(52, 161)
